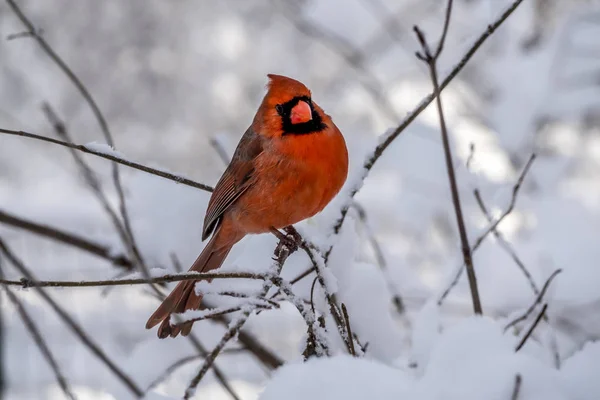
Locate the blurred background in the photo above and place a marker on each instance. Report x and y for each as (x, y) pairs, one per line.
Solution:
(172, 77)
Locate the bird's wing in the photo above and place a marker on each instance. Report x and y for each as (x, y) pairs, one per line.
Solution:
(235, 180)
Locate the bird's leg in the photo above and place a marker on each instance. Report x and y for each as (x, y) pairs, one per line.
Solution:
(290, 240)
(291, 231)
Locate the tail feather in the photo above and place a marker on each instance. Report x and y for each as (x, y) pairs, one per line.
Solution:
(184, 297)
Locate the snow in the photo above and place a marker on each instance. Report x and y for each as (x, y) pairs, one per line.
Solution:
(170, 89)
(103, 148)
(471, 360)
(335, 378)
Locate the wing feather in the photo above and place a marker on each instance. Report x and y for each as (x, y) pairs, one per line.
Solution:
(235, 180)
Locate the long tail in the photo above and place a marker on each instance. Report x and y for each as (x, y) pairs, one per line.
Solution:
(184, 297)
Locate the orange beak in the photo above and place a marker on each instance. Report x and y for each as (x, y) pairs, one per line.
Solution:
(301, 113)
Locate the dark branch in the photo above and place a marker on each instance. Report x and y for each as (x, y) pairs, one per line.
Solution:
(112, 157)
(281, 254)
(535, 303)
(66, 238)
(70, 322)
(517, 387)
(38, 339)
(431, 61)
(532, 327)
(387, 140)
(481, 238)
(28, 282)
(505, 245)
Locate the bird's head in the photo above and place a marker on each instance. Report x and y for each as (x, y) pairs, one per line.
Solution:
(288, 109)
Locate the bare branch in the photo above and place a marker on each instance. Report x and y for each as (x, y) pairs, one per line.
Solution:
(112, 157)
(537, 301)
(517, 387)
(431, 60)
(262, 354)
(70, 322)
(348, 330)
(85, 93)
(389, 138)
(217, 312)
(505, 245)
(532, 327)
(41, 344)
(281, 255)
(170, 369)
(70, 239)
(27, 282)
(481, 238)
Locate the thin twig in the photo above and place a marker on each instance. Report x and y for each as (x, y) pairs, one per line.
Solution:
(85, 93)
(389, 138)
(537, 301)
(219, 375)
(431, 60)
(94, 184)
(70, 322)
(170, 369)
(217, 312)
(349, 330)
(315, 344)
(27, 282)
(220, 150)
(66, 238)
(517, 387)
(329, 296)
(38, 339)
(262, 354)
(492, 227)
(281, 255)
(505, 245)
(112, 157)
(532, 327)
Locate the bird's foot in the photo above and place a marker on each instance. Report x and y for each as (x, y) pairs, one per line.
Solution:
(291, 239)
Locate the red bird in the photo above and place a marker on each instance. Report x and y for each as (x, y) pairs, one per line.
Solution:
(287, 167)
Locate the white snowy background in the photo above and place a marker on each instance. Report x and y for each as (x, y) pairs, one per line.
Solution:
(171, 75)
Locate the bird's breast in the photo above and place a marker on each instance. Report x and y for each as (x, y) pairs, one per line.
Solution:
(294, 178)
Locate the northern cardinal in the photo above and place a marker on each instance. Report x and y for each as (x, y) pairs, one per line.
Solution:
(287, 167)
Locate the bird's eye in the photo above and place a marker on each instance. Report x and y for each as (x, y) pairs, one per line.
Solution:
(279, 109)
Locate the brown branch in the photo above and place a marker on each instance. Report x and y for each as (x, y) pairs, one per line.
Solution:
(112, 157)
(122, 226)
(329, 296)
(389, 138)
(537, 301)
(314, 343)
(281, 255)
(70, 322)
(85, 93)
(505, 245)
(491, 228)
(40, 343)
(219, 375)
(348, 330)
(27, 282)
(262, 354)
(431, 60)
(532, 327)
(66, 238)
